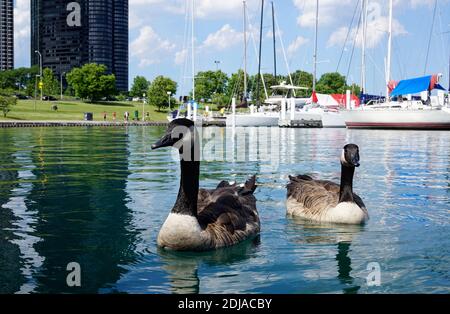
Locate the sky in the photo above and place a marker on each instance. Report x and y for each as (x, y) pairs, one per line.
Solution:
(160, 38)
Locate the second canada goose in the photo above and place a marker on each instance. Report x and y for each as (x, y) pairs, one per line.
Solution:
(205, 219)
(325, 201)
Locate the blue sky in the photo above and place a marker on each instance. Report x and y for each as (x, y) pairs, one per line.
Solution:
(158, 41)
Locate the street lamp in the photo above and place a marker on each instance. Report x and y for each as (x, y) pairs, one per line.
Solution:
(61, 79)
(35, 90)
(169, 94)
(143, 106)
(40, 67)
(217, 62)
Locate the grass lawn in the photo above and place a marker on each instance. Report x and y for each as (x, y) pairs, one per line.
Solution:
(74, 111)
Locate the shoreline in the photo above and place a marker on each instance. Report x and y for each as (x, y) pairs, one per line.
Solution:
(33, 124)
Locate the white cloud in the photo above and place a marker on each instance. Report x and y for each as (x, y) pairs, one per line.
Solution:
(224, 38)
(279, 33)
(149, 47)
(180, 56)
(22, 32)
(217, 9)
(296, 44)
(377, 28)
(329, 11)
(204, 9)
(135, 21)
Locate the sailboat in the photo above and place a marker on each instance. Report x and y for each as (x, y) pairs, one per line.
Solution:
(191, 106)
(306, 109)
(257, 116)
(409, 113)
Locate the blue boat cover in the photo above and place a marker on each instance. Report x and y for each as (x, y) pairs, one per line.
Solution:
(412, 86)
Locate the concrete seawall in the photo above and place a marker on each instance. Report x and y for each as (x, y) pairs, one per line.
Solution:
(33, 124)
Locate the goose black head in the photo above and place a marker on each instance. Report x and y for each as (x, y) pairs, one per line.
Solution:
(350, 155)
(178, 133)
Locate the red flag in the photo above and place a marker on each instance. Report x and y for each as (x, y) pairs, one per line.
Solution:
(314, 97)
(392, 85)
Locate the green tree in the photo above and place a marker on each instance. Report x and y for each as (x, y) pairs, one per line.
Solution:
(269, 80)
(221, 100)
(20, 80)
(209, 83)
(140, 86)
(51, 85)
(303, 79)
(354, 88)
(6, 103)
(91, 82)
(157, 92)
(331, 83)
(235, 87)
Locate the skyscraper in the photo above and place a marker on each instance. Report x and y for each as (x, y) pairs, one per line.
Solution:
(6, 35)
(71, 33)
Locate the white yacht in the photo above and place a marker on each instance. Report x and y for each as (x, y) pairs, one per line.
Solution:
(428, 112)
(409, 114)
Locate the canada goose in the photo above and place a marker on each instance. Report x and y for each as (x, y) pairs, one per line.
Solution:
(204, 219)
(325, 201)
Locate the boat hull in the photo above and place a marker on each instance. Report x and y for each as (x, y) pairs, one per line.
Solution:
(398, 119)
(333, 120)
(329, 119)
(256, 119)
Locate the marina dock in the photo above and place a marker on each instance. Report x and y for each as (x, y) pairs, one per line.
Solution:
(302, 123)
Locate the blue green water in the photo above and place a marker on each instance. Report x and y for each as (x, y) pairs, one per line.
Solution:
(98, 196)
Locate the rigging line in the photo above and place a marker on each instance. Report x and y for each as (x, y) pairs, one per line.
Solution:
(348, 34)
(252, 36)
(284, 51)
(236, 87)
(397, 56)
(183, 68)
(353, 49)
(429, 39)
(442, 33)
(375, 65)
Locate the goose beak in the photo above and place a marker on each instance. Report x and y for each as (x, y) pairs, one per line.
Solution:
(163, 142)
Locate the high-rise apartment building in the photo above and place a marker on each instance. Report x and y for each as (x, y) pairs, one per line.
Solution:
(71, 33)
(6, 35)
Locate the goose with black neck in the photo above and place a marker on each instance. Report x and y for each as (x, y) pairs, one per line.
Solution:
(326, 201)
(204, 219)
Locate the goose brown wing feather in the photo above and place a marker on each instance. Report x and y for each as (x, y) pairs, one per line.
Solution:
(226, 201)
(313, 195)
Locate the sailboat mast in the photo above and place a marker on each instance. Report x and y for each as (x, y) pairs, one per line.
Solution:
(364, 36)
(260, 49)
(274, 42)
(315, 46)
(245, 51)
(388, 63)
(193, 49)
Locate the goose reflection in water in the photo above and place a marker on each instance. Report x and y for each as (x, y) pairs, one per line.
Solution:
(182, 267)
(341, 236)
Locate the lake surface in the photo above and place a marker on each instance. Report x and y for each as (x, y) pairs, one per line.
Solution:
(98, 196)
